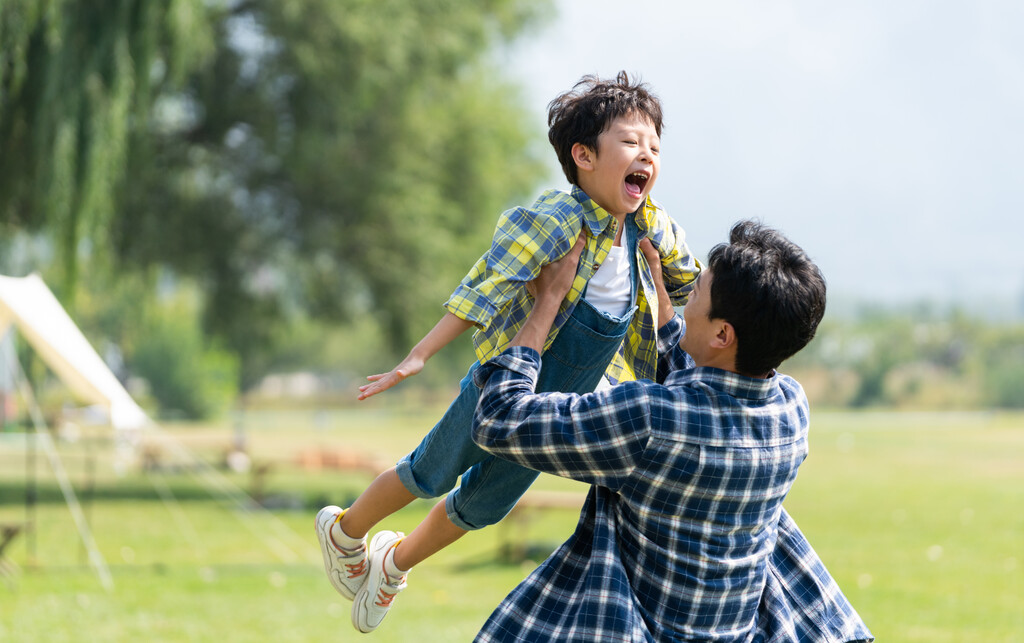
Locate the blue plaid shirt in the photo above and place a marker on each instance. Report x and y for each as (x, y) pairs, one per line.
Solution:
(683, 536)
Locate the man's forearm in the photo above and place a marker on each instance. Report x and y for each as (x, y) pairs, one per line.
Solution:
(551, 286)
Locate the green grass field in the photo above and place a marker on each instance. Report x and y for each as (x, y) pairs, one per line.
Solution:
(920, 517)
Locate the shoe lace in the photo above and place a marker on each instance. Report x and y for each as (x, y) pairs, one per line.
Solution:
(356, 569)
(384, 599)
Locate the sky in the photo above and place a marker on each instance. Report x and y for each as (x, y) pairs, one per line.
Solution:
(886, 138)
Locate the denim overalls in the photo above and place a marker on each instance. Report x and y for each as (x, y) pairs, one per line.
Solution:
(490, 486)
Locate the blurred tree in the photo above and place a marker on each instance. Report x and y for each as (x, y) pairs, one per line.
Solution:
(75, 79)
(332, 159)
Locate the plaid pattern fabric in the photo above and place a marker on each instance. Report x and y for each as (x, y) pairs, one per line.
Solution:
(493, 294)
(677, 540)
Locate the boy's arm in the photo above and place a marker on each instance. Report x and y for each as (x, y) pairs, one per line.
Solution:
(439, 336)
(524, 240)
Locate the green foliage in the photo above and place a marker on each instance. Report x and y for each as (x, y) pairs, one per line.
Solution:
(1001, 362)
(914, 359)
(332, 160)
(186, 376)
(297, 160)
(75, 78)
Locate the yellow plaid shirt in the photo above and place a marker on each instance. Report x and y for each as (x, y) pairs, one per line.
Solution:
(494, 297)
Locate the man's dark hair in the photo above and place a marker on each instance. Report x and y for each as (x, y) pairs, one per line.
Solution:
(770, 291)
(582, 113)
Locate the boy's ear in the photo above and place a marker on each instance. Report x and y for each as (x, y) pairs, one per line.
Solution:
(583, 156)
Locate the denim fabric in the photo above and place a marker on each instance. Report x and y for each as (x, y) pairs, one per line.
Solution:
(490, 487)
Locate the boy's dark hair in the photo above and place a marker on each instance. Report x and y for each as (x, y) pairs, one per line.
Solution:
(770, 291)
(582, 113)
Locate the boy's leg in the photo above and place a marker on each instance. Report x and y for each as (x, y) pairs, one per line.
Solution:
(429, 537)
(433, 468)
(430, 471)
(390, 558)
(385, 495)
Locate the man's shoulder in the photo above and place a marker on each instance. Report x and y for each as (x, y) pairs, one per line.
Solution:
(792, 390)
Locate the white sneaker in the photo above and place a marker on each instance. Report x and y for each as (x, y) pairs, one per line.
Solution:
(373, 601)
(346, 569)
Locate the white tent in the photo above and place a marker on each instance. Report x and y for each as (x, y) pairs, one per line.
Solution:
(28, 304)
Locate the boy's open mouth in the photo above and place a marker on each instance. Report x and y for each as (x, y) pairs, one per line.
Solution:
(635, 183)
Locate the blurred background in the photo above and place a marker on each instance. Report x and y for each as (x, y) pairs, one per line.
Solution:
(247, 206)
(234, 199)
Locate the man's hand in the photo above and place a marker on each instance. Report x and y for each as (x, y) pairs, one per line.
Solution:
(549, 288)
(665, 309)
(555, 279)
(383, 381)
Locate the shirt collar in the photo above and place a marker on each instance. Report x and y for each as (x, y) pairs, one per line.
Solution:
(734, 384)
(597, 218)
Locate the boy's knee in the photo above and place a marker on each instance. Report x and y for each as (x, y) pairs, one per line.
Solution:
(471, 518)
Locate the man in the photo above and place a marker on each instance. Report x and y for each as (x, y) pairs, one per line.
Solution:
(688, 474)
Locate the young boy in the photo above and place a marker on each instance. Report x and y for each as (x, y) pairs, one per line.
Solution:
(607, 137)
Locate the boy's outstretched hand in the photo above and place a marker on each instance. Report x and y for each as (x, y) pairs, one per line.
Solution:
(439, 336)
(383, 381)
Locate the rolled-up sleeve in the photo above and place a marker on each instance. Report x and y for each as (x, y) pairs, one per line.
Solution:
(670, 356)
(523, 242)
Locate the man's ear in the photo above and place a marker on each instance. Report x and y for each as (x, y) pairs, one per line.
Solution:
(725, 338)
(583, 156)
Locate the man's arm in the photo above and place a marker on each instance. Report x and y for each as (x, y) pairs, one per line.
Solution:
(549, 288)
(665, 309)
(594, 438)
(679, 266)
(439, 336)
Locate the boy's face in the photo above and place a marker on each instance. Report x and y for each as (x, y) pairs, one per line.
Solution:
(620, 173)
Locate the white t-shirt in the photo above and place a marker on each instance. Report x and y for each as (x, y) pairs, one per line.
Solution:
(609, 288)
